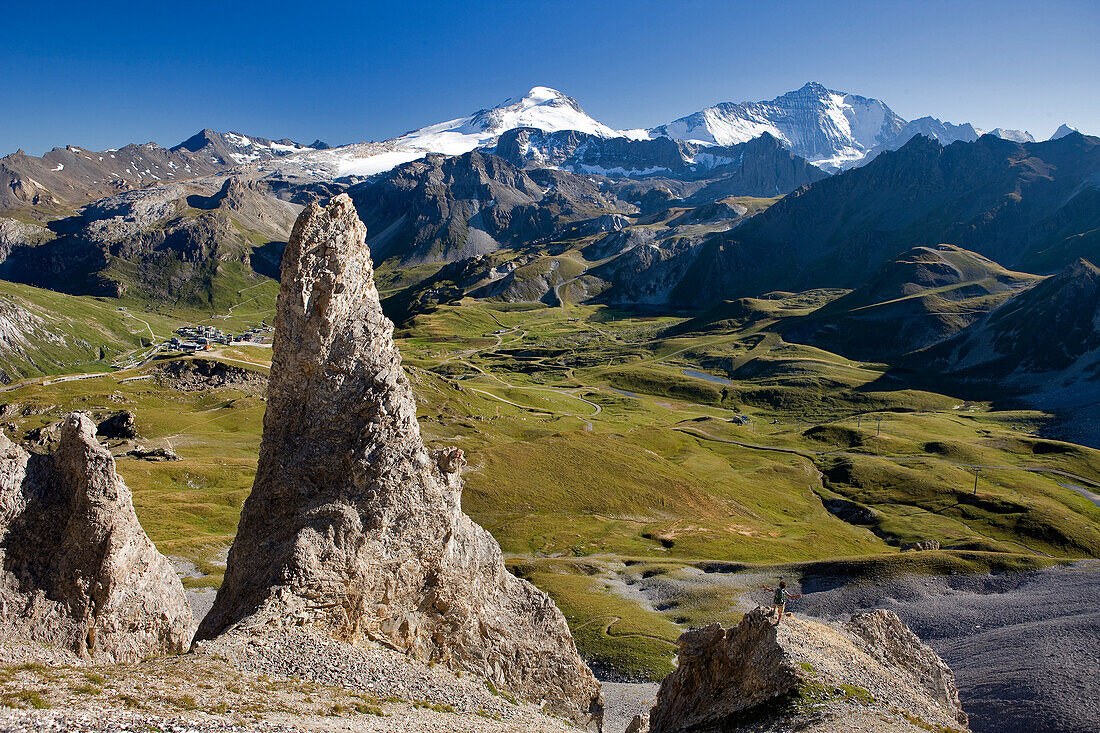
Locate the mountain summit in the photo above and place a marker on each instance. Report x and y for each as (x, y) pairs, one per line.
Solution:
(829, 128)
(541, 108)
(1062, 131)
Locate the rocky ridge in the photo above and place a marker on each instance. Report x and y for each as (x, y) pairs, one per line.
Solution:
(69, 177)
(1024, 206)
(353, 528)
(871, 674)
(176, 237)
(757, 167)
(78, 570)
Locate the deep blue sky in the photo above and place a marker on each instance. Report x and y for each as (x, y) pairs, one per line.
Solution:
(100, 75)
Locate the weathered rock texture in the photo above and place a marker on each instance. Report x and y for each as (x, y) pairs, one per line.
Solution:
(353, 526)
(200, 375)
(78, 571)
(809, 677)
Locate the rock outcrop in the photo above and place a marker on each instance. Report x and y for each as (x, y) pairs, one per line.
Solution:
(353, 527)
(920, 546)
(872, 673)
(78, 571)
(200, 375)
(118, 426)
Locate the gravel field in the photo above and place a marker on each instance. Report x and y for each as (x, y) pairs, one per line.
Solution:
(1025, 648)
(300, 654)
(624, 700)
(201, 599)
(289, 680)
(398, 721)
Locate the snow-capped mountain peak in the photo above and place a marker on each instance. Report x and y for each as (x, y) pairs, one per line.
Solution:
(834, 130)
(829, 128)
(1062, 131)
(542, 108)
(1016, 136)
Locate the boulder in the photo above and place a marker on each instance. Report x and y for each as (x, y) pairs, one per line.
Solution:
(353, 527)
(118, 426)
(638, 724)
(158, 453)
(201, 375)
(806, 676)
(78, 571)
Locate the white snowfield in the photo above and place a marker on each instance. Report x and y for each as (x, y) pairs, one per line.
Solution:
(833, 130)
(1018, 136)
(542, 108)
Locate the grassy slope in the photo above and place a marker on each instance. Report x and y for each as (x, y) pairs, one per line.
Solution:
(80, 333)
(574, 477)
(89, 334)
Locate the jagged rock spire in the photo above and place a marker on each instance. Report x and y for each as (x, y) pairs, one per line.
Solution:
(77, 569)
(355, 528)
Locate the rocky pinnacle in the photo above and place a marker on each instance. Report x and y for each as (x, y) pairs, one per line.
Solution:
(78, 571)
(353, 526)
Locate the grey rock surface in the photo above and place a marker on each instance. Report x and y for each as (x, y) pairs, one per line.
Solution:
(802, 675)
(921, 546)
(890, 641)
(353, 527)
(199, 375)
(78, 571)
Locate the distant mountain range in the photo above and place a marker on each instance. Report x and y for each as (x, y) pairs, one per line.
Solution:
(927, 245)
(833, 130)
(1031, 206)
(69, 177)
(830, 129)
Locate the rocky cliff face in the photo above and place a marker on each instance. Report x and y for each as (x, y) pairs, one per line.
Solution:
(443, 209)
(353, 526)
(805, 676)
(78, 571)
(175, 240)
(757, 167)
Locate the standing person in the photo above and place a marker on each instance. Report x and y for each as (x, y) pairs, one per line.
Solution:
(782, 595)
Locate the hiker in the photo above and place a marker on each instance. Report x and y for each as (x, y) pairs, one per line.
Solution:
(782, 595)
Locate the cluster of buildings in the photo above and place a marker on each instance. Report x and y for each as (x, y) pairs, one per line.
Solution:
(200, 338)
